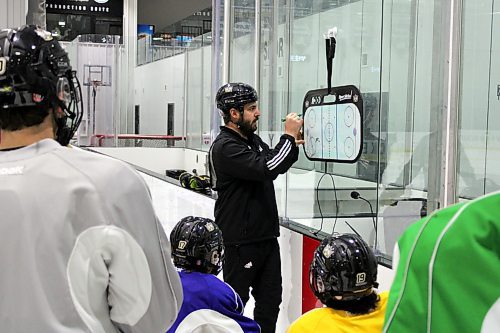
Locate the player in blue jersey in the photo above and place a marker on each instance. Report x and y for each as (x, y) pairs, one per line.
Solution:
(210, 305)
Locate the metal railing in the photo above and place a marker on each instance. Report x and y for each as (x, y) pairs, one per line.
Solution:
(148, 52)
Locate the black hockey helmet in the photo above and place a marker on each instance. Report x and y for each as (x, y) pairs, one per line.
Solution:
(35, 72)
(235, 95)
(197, 245)
(343, 268)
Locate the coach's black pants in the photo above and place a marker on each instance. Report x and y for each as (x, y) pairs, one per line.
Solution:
(258, 266)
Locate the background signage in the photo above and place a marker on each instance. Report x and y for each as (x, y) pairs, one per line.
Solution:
(109, 8)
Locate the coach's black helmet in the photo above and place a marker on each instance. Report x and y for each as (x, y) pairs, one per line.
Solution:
(235, 95)
(197, 245)
(343, 268)
(35, 72)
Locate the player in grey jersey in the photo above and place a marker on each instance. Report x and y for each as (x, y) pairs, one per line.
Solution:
(81, 249)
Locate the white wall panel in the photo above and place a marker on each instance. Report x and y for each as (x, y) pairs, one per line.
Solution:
(156, 85)
(12, 13)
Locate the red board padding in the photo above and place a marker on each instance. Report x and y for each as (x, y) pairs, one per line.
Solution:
(309, 301)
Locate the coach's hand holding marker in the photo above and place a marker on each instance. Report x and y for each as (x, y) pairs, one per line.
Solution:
(284, 119)
(293, 126)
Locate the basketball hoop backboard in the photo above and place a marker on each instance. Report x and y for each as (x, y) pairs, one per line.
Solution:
(96, 75)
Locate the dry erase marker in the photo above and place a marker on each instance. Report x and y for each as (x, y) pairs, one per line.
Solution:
(284, 119)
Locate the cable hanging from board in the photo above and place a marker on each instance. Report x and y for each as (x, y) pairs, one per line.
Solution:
(319, 203)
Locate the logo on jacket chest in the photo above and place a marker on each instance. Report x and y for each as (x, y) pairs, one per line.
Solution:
(259, 148)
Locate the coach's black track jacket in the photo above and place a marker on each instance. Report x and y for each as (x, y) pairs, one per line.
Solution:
(242, 173)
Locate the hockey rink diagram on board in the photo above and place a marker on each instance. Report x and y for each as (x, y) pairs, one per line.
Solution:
(331, 132)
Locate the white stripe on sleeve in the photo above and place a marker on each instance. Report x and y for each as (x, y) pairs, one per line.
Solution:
(112, 258)
(285, 149)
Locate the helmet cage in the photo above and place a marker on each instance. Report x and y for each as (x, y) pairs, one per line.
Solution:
(71, 104)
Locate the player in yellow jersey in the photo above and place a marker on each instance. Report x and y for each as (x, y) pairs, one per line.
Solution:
(343, 276)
